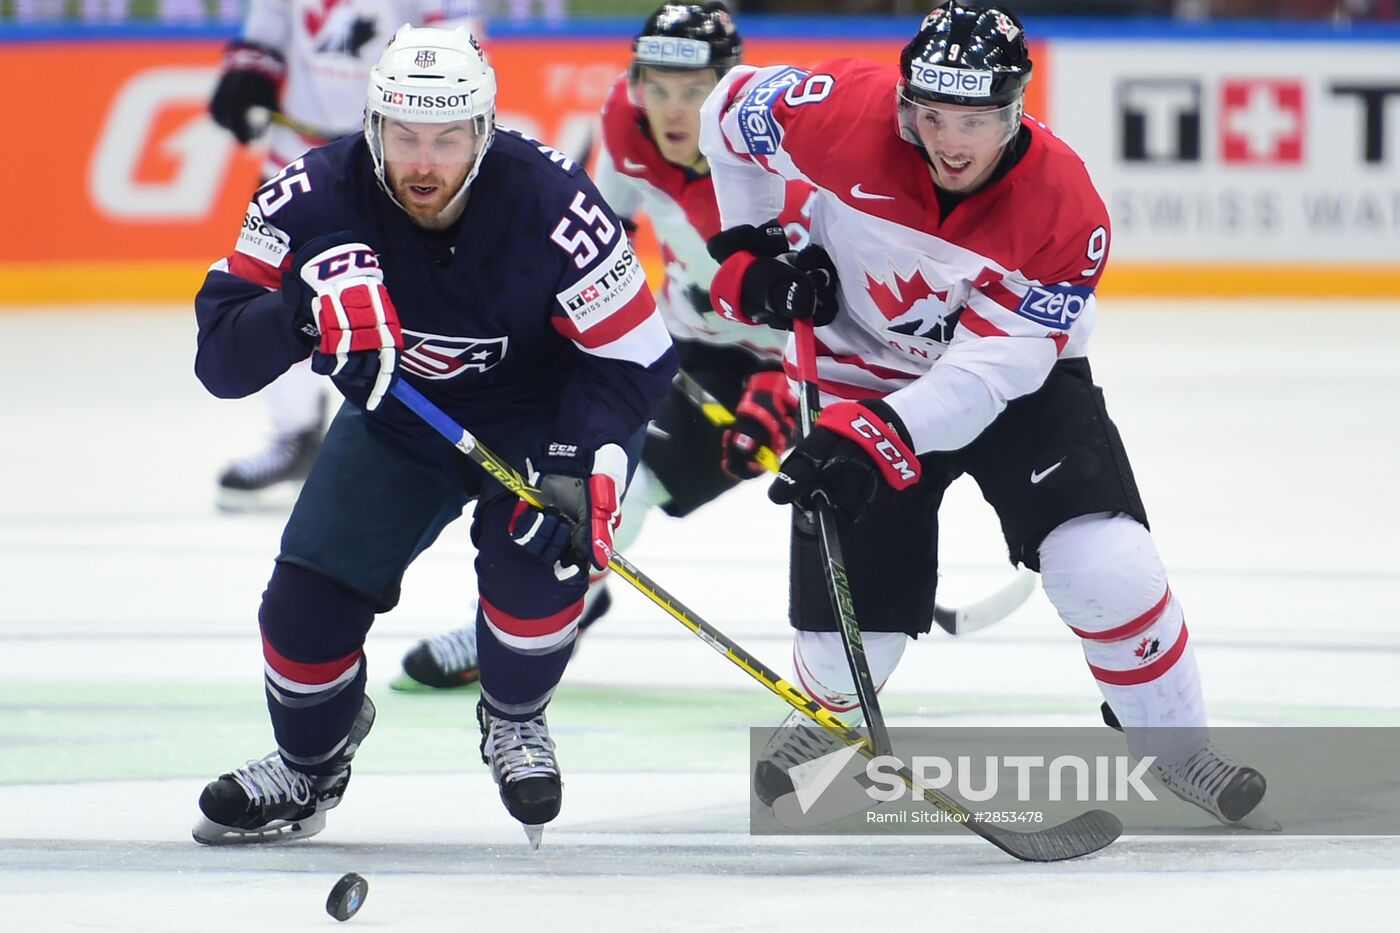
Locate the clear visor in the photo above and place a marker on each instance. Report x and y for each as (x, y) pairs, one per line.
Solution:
(950, 124)
(438, 144)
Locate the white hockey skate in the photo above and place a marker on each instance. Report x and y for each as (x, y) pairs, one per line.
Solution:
(266, 801)
(1221, 786)
(796, 741)
(521, 756)
(1215, 782)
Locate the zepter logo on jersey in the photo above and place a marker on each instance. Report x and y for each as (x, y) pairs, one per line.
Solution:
(760, 130)
(1056, 306)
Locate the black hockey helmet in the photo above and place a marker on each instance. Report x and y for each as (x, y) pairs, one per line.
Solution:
(687, 37)
(968, 55)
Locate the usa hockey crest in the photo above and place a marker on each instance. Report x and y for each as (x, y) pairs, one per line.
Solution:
(433, 356)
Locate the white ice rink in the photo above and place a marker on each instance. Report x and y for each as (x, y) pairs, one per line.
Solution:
(1265, 441)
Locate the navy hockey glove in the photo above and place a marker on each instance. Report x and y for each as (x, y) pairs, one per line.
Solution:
(252, 77)
(585, 508)
(337, 277)
(853, 448)
(765, 417)
(762, 281)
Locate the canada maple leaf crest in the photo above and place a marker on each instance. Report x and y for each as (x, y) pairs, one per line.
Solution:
(896, 298)
(1147, 648)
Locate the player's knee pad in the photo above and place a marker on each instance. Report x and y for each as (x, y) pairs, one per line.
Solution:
(824, 674)
(307, 616)
(1101, 571)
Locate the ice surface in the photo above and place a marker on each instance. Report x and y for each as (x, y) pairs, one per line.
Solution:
(1264, 438)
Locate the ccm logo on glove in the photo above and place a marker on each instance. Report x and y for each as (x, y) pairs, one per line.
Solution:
(332, 266)
(897, 461)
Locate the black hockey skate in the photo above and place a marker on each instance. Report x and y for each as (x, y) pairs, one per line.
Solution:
(266, 801)
(254, 482)
(1215, 782)
(521, 756)
(446, 661)
(796, 741)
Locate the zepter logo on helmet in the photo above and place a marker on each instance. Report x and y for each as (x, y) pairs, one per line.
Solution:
(687, 37)
(966, 56)
(433, 76)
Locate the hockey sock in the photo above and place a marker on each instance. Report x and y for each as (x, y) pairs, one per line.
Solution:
(521, 659)
(1105, 578)
(824, 674)
(313, 633)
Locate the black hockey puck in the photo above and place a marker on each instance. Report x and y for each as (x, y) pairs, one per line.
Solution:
(347, 897)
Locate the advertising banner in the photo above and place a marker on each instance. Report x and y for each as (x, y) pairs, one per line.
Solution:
(1253, 168)
(138, 191)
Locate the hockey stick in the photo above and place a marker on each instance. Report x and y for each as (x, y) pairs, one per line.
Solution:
(262, 118)
(809, 406)
(1086, 833)
(989, 610)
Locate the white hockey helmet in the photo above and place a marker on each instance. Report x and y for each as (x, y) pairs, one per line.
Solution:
(431, 75)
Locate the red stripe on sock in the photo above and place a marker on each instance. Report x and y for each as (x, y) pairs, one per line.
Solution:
(806, 688)
(312, 674)
(1129, 629)
(531, 628)
(1144, 674)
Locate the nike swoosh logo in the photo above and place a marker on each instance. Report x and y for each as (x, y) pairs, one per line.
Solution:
(633, 166)
(1037, 476)
(866, 195)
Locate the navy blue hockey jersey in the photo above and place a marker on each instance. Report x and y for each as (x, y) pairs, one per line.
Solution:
(538, 311)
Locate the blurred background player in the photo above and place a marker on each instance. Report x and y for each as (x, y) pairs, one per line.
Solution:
(431, 248)
(650, 163)
(980, 369)
(303, 64)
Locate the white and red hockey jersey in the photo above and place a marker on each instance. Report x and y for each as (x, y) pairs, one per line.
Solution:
(949, 318)
(330, 47)
(633, 178)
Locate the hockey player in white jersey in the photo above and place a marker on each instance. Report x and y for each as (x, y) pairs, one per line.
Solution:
(650, 163)
(953, 315)
(305, 61)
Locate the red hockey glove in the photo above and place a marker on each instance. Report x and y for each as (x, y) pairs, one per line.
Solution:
(577, 529)
(252, 77)
(761, 281)
(766, 417)
(853, 447)
(360, 335)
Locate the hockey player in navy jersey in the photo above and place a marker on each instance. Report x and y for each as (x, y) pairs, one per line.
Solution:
(650, 163)
(964, 241)
(485, 269)
(306, 61)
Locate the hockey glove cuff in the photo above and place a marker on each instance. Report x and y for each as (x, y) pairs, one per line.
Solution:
(756, 285)
(360, 335)
(584, 509)
(765, 417)
(252, 77)
(854, 449)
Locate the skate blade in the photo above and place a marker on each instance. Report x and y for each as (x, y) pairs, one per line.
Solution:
(208, 833)
(534, 834)
(1259, 820)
